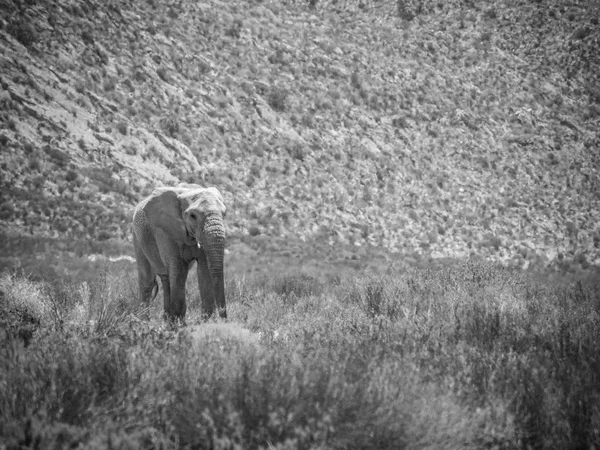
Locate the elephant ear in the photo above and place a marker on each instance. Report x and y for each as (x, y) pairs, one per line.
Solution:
(163, 211)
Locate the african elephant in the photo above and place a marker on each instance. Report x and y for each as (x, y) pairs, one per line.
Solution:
(172, 228)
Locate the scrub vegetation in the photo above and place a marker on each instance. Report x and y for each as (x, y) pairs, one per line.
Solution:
(476, 356)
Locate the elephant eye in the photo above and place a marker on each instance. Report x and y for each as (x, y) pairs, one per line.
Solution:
(193, 216)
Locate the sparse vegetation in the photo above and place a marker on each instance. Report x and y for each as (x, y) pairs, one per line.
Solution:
(277, 98)
(23, 32)
(110, 85)
(170, 125)
(459, 358)
(163, 73)
(122, 128)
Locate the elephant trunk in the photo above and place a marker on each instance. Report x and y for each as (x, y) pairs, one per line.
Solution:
(214, 247)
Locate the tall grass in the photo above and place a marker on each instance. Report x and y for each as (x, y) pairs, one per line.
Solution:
(471, 357)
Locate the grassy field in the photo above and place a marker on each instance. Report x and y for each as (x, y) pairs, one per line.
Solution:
(473, 356)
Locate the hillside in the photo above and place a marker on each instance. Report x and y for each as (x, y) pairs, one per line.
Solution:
(449, 130)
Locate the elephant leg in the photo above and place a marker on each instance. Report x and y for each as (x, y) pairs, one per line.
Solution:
(146, 277)
(207, 294)
(177, 278)
(174, 275)
(164, 280)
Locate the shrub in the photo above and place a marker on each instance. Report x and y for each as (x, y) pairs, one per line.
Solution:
(35, 163)
(7, 210)
(405, 10)
(302, 285)
(296, 151)
(61, 158)
(71, 175)
(28, 148)
(277, 98)
(235, 30)
(122, 128)
(23, 299)
(308, 120)
(131, 149)
(164, 75)
(109, 85)
(355, 80)
(170, 125)
(39, 181)
(23, 32)
(103, 235)
(17, 322)
(473, 356)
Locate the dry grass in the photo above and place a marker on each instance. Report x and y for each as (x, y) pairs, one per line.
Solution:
(472, 357)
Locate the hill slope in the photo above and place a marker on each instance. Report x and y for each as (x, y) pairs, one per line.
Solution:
(465, 130)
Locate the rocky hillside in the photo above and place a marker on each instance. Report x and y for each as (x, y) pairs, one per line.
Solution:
(428, 129)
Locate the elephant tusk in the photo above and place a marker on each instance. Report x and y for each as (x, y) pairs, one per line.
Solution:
(199, 246)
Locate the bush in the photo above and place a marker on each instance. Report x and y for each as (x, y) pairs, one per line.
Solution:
(164, 75)
(35, 164)
(18, 322)
(122, 128)
(58, 156)
(103, 235)
(71, 175)
(109, 85)
(23, 32)
(7, 210)
(296, 151)
(298, 285)
(474, 356)
(170, 125)
(277, 98)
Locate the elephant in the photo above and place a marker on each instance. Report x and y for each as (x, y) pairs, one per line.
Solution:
(172, 228)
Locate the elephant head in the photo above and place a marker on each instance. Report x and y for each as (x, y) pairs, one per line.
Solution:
(172, 228)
